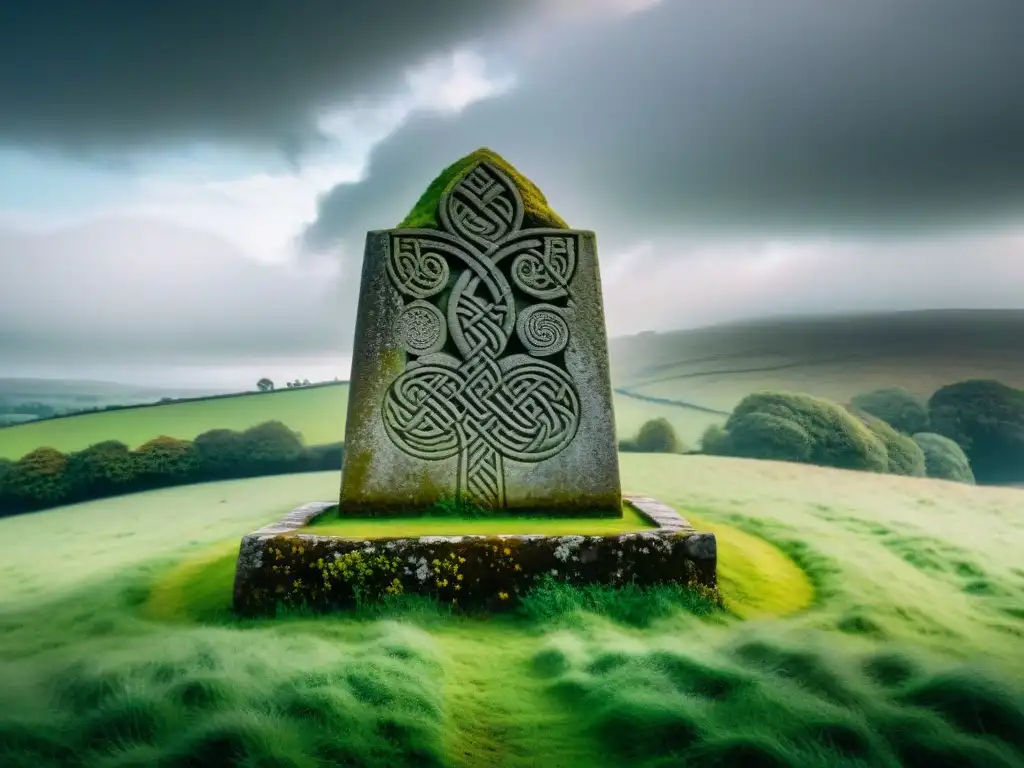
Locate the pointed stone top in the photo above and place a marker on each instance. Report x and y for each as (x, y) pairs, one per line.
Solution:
(537, 212)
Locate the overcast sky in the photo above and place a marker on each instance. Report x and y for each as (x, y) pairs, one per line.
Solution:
(185, 187)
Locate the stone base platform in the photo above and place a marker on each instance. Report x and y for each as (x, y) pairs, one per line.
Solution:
(279, 566)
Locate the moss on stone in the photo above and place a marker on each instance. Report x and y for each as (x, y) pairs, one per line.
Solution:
(537, 211)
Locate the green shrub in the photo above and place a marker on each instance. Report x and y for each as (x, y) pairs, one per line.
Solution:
(6, 501)
(165, 461)
(658, 436)
(944, 459)
(986, 419)
(321, 458)
(221, 454)
(905, 456)
(272, 447)
(628, 445)
(38, 479)
(767, 436)
(715, 441)
(103, 469)
(896, 406)
(821, 431)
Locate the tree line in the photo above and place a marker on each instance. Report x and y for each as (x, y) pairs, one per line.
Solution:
(46, 477)
(970, 431)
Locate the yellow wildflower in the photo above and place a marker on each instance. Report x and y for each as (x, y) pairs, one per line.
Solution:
(459, 577)
(503, 595)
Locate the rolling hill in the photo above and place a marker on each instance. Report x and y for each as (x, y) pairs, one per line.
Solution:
(702, 372)
(710, 370)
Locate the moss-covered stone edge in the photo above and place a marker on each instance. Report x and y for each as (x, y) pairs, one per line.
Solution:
(278, 567)
(537, 211)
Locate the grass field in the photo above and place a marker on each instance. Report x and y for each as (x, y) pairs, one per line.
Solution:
(883, 626)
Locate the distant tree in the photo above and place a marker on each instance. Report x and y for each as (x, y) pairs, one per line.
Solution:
(103, 469)
(895, 406)
(305, 382)
(289, 385)
(986, 419)
(789, 426)
(265, 385)
(38, 479)
(905, 456)
(165, 461)
(658, 436)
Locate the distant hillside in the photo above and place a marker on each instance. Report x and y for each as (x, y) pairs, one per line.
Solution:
(703, 372)
(62, 395)
(833, 357)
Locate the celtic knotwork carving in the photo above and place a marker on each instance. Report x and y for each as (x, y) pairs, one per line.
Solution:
(423, 328)
(470, 399)
(416, 271)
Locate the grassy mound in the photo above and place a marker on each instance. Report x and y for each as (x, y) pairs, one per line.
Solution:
(411, 527)
(905, 652)
(772, 700)
(537, 212)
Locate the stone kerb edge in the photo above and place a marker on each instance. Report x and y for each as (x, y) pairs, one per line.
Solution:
(698, 546)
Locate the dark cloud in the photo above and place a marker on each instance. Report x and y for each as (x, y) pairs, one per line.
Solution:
(747, 116)
(106, 74)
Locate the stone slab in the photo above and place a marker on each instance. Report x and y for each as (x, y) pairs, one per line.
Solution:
(278, 565)
(480, 365)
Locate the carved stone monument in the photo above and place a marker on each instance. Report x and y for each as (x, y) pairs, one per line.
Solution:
(480, 363)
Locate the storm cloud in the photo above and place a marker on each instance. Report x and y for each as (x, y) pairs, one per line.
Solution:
(107, 75)
(781, 118)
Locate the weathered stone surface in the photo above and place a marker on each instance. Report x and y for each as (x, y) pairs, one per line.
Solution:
(480, 364)
(278, 565)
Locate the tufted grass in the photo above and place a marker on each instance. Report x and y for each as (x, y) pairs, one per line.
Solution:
(902, 647)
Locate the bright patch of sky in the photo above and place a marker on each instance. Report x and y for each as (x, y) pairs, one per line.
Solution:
(258, 202)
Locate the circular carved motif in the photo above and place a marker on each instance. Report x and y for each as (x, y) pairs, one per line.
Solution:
(542, 330)
(422, 328)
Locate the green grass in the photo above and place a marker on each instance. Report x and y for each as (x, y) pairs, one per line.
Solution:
(903, 648)
(362, 528)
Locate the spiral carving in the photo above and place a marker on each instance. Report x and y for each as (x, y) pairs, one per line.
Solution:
(417, 272)
(542, 330)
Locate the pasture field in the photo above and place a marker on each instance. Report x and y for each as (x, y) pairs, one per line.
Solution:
(317, 413)
(881, 625)
(834, 357)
